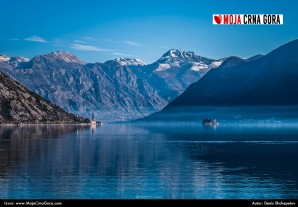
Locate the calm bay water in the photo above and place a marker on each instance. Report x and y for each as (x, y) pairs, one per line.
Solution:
(149, 161)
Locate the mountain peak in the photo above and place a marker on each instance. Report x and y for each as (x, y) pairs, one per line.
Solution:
(232, 61)
(19, 59)
(179, 55)
(4, 58)
(175, 53)
(65, 56)
(60, 52)
(15, 61)
(130, 61)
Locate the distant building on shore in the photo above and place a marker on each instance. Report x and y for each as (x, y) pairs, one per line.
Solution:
(93, 121)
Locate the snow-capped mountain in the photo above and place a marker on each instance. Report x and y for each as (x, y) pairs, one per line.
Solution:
(14, 61)
(4, 58)
(175, 57)
(180, 55)
(64, 56)
(175, 71)
(130, 61)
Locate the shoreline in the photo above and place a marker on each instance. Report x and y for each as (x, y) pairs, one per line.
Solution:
(60, 124)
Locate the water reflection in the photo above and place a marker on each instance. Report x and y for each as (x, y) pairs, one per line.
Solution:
(161, 161)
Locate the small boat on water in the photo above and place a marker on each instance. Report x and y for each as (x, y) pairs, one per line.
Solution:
(209, 122)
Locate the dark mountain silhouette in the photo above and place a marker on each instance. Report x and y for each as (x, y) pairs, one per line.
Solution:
(18, 104)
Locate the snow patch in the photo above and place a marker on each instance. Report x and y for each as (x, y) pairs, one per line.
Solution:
(172, 54)
(162, 67)
(4, 58)
(199, 66)
(129, 61)
(217, 63)
(67, 57)
(19, 59)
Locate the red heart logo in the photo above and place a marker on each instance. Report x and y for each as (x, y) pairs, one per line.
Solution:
(217, 19)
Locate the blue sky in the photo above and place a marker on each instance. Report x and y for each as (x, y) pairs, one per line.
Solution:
(97, 31)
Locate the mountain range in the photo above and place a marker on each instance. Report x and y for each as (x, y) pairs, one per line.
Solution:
(119, 89)
(124, 89)
(269, 80)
